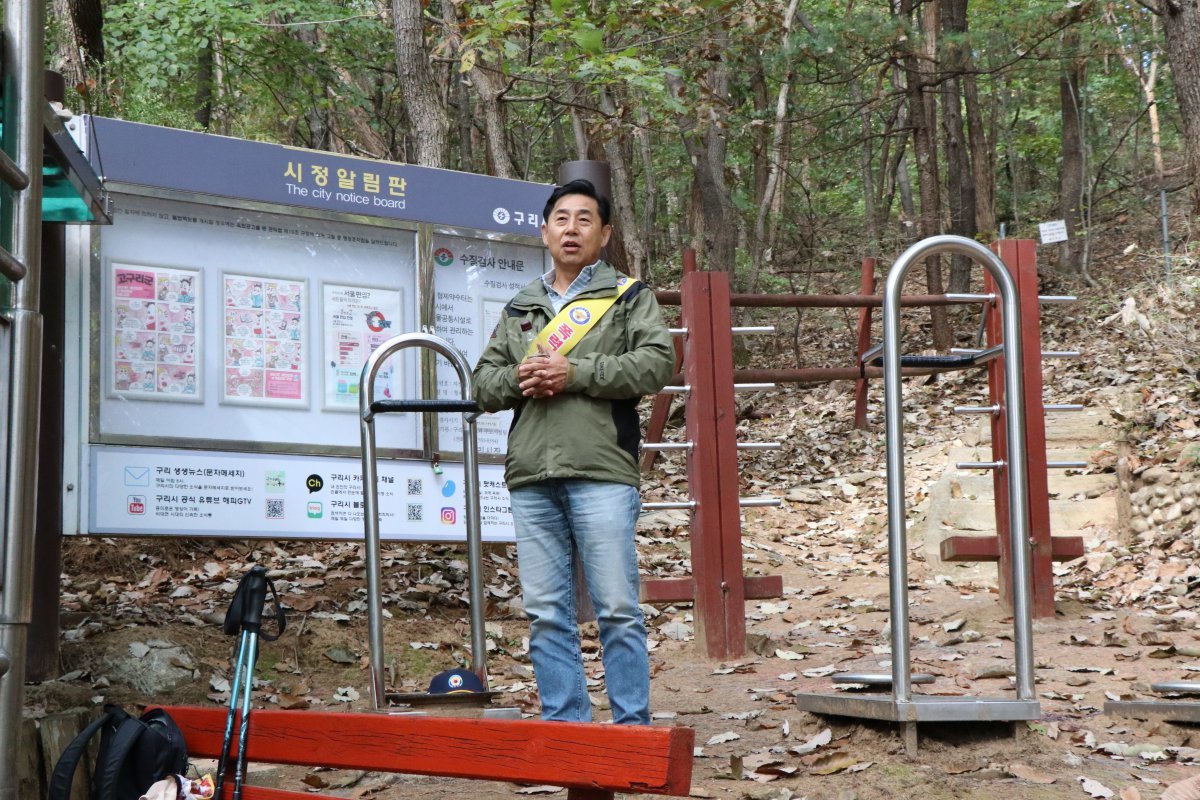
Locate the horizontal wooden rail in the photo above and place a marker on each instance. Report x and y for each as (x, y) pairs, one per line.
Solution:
(597, 759)
(671, 297)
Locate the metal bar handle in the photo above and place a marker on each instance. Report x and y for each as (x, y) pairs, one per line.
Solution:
(665, 446)
(972, 298)
(1066, 465)
(760, 445)
(980, 465)
(753, 387)
(366, 401)
(668, 504)
(738, 330)
(1063, 407)
(977, 409)
(1047, 299)
(12, 174)
(1016, 472)
(759, 502)
(10, 267)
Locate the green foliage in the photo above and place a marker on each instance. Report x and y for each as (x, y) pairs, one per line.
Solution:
(322, 73)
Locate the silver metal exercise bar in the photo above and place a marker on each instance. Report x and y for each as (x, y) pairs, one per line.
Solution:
(21, 335)
(736, 331)
(369, 407)
(901, 705)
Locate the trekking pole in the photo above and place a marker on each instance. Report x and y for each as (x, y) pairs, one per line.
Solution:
(245, 616)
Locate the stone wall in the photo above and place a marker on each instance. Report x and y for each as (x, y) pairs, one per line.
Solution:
(1162, 500)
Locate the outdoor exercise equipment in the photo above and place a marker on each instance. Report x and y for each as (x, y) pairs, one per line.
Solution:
(244, 620)
(717, 585)
(369, 408)
(1171, 709)
(901, 705)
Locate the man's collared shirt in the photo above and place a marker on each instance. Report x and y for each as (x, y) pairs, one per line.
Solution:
(580, 284)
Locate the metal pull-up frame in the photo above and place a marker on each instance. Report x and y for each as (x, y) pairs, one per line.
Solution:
(369, 408)
(901, 705)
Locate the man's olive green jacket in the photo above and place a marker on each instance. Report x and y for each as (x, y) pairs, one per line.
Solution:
(590, 431)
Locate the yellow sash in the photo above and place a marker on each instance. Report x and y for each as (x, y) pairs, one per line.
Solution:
(575, 320)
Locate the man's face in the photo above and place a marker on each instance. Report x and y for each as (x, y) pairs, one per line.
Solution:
(574, 232)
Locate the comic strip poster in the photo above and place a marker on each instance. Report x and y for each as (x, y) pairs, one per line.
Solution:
(154, 333)
(264, 340)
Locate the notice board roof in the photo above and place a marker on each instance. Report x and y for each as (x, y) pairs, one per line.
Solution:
(223, 166)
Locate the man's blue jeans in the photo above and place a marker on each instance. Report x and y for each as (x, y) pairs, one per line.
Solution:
(554, 518)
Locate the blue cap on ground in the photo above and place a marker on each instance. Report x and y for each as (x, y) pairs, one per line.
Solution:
(455, 681)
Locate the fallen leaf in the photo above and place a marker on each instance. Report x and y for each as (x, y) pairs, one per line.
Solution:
(1095, 788)
(820, 740)
(721, 738)
(829, 763)
(789, 655)
(1186, 789)
(539, 790)
(1028, 773)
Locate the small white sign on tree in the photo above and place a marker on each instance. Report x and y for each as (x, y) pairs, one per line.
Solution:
(1053, 231)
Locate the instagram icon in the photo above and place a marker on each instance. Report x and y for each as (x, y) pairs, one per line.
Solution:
(449, 516)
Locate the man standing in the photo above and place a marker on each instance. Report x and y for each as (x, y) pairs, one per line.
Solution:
(572, 353)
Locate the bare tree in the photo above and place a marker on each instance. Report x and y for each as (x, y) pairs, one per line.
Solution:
(1181, 25)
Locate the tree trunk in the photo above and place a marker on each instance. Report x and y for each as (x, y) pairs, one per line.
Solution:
(649, 185)
(81, 44)
(960, 189)
(1071, 176)
(983, 159)
(774, 160)
(422, 100)
(923, 110)
(1181, 24)
(627, 231)
(204, 86)
(714, 226)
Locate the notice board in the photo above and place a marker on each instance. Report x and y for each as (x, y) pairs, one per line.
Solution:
(224, 318)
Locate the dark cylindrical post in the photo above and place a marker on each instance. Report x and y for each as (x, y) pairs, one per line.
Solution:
(597, 172)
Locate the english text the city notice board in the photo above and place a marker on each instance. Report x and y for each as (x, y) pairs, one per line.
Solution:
(224, 319)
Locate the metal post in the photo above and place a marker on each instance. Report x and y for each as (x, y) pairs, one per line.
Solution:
(24, 30)
(1016, 466)
(367, 410)
(867, 286)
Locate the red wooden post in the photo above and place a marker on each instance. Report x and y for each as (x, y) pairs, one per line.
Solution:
(864, 343)
(712, 468)
(1020, 256)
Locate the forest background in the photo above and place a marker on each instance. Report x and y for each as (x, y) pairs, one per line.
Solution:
(782, 140)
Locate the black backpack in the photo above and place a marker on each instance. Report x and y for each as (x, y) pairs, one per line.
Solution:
(134, 755)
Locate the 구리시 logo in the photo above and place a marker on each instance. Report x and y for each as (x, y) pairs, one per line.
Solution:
(579, 315)
(501, 215)
(376, 322)
(443, 257)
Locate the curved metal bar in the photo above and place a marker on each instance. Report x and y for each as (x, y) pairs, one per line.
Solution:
(1016, 467)
(366, 397)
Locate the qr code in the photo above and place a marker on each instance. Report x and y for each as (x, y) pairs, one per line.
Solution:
(416, 512)
(416, 487)
(275, 509)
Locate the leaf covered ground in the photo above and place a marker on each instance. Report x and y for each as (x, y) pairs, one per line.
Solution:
(1127, 612)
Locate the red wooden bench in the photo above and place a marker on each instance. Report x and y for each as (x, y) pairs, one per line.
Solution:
(592, 761)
